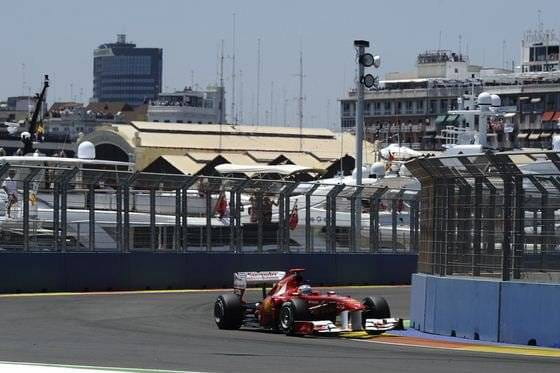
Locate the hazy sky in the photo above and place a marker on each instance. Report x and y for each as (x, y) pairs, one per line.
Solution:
(57, 37)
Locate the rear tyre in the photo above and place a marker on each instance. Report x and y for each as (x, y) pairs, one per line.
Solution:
(228, 311)
(290, 312)
(375, 308)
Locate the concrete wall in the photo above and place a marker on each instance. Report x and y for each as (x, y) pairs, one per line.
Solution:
(491, 310)
(36, 272)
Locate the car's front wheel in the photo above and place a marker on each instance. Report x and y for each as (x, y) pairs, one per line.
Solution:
(375, 308)
(290, 312)
(228, 311)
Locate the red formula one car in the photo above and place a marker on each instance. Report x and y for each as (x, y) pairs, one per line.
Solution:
(296, 309)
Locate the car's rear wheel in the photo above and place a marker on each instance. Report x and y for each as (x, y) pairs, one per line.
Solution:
(290, 312)
(375, 308)
(228, 311)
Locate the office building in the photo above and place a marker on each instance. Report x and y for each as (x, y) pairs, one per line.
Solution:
(124, 73)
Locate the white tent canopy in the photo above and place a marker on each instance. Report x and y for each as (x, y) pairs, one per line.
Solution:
(399, 153)
(284, 169)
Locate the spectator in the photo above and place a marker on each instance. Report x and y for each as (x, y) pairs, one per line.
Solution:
(10, 187)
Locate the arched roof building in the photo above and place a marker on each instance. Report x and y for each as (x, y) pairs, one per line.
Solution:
(196, 148)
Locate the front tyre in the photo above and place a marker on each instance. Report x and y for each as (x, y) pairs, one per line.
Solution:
(228, 311)
(375, 308)
(290, 312)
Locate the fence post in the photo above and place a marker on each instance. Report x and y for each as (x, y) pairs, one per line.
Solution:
(209, 213)
(184, 188)
(123, 210)
(308, 232)
(259, 207)
(507, 229)
(331, 217)
(519, 227)
(374, 219)
(235, 213)
(477, 226)
(354, 237)
(284, 197)
(25, 204)
(153, 231)
(63, 181)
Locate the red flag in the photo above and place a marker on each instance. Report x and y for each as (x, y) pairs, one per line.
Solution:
(221, 206)
(293, 220)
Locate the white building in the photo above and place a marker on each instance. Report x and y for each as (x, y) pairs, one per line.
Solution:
(188, 106)
(540, 51)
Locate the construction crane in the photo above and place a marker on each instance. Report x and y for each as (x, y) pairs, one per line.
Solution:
(28, 136)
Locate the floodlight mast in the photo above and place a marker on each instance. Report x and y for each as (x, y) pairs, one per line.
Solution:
(363, 60)
(360, 45)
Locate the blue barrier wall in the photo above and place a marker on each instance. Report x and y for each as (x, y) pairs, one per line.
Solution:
(530, 311)
(491, 310)
(36, 272)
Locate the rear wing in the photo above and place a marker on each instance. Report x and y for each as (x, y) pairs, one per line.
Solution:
(243, 279)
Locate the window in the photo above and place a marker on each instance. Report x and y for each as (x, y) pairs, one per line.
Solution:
(443, 106)
(387, 108)
(346, 123)
(420, 107)
(398, 109)
(377, 108)
(409, 107)
(433, 106)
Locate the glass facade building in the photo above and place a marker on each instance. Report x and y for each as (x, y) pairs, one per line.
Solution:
(124, 73)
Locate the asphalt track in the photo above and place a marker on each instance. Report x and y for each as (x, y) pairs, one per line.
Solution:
(176, 331)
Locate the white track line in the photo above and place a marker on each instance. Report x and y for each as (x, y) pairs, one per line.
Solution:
(8, 366)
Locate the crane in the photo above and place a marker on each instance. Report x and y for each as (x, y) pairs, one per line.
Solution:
(27, 137)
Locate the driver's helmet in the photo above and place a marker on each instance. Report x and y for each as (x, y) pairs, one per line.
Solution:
(304, 289)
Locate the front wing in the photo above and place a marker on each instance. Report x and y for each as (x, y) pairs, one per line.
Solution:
(326, 327)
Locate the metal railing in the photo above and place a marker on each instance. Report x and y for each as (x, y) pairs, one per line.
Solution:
(80, 209)
(490, 215)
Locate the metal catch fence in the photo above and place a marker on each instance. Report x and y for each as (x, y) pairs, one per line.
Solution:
(83, 209)
(490, 215)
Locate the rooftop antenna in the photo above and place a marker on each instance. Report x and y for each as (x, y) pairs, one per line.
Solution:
(300, 98)
(23, 79)
(192, 78)
(222, 65)
(439, 41)
(540, 24)
(504, 63)
(233, 113)
(222, 118)
(240, 109)
(258, 80)
(460, 44)
(285, 106)
(328, 113)
(271, 102)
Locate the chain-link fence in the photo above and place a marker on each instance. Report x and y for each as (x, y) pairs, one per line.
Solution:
(82, 209)
(490, 215)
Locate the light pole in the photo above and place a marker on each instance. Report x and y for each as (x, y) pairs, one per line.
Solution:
(369, 81)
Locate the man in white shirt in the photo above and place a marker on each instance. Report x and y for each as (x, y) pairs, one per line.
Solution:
(10, 187)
